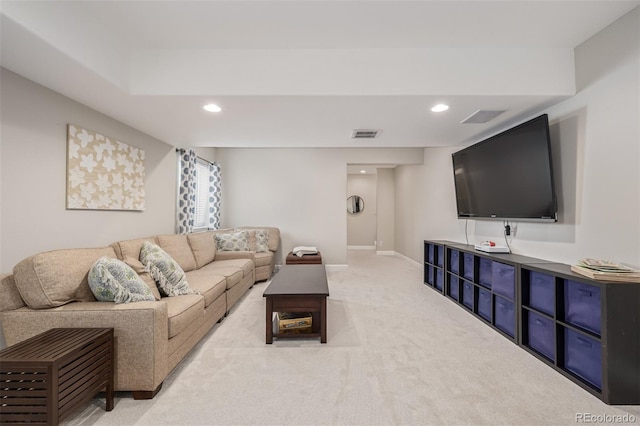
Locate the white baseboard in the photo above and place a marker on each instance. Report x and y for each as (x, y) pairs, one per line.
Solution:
(386, 253)
(408, 259)
(336, 268)
(361, 247)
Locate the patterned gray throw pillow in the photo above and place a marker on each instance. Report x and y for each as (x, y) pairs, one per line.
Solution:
(233, 241)
(112, 280)
(262, 241)
(169, 276)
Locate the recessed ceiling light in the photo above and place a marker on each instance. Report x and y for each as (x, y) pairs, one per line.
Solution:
(363, 171)
(440, 108)
(212, 108)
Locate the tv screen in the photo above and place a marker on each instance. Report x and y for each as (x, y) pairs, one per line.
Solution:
(507, 176)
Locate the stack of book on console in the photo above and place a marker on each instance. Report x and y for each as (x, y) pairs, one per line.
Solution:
(606, 270)
(302, 250)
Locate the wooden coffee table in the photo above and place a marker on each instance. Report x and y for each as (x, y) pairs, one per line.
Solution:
(298, 288)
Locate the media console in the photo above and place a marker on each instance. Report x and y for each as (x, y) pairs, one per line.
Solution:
(588, 331)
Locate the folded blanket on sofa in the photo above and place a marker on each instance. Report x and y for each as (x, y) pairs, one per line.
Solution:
(302, 250)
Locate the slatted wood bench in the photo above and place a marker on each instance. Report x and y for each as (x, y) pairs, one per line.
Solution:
(45, 378)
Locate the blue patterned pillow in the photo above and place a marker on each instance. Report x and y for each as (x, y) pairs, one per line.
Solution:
(112, 280)
(233, 241)
(170, 277)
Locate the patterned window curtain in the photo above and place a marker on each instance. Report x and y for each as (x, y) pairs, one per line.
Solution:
(187, 191)
(215, 186)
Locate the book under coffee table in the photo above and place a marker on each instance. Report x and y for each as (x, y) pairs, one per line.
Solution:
(298, 288)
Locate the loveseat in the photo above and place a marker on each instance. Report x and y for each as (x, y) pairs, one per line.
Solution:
(50, 289)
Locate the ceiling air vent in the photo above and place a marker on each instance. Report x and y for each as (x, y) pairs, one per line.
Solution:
(482, 116)
(364, 133)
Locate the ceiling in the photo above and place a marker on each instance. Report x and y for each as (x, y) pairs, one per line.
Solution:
(304, 73)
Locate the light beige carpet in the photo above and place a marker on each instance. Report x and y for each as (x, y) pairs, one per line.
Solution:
(398, 353)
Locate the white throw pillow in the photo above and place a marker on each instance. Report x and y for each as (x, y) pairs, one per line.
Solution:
(112, 280)
(169, 276)
(233, 241)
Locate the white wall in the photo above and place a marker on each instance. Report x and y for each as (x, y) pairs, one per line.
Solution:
(361, 227)
(425, 203)
(301, 191)
(33, 176)
(385, 210)
(595, 139)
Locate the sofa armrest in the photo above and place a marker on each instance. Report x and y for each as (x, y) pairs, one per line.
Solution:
(140, 330)
(227, 255)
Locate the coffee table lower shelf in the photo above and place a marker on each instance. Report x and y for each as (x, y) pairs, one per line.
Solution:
(296, 336)
(315, 332)
(315, 304)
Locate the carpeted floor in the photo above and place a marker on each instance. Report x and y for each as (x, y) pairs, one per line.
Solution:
(397, 354)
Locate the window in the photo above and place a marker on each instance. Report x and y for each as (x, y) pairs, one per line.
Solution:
(201, 219)
(198, 197)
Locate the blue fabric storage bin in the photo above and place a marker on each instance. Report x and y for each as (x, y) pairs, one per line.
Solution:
(485, 272)
(583, 357)
(503, 280)
(430, 255)
(440, 256)
(484, 304)
(454, 261)
(505, 316)
(467, 294)
(439, 279)
(430, 275)
(454, 287)
(542, 292)
(541, 335)
(582, 305)
(467, 270)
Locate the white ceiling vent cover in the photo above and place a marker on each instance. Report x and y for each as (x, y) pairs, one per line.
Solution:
(364, 133)
(482, 116)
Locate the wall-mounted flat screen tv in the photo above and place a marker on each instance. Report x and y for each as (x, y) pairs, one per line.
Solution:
(508, 176)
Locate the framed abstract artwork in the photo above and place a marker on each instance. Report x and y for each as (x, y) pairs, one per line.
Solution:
(103, 173)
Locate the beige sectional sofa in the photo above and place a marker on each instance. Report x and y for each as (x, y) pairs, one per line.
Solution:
(50, 289)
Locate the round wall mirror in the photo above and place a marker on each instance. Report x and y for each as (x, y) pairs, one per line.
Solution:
(355, 204)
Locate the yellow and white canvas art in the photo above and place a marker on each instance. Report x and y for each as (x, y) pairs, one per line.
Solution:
(103, 173)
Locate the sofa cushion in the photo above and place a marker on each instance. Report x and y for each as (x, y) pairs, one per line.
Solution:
(233, 241)
(233, 274)
(179, 249)
(246, 265)
(131, 247)
(203, 246)
(54, 278)
(10, 299)
(264, 259)
(170, 277)
(183, 311)
(112, 280)
(208, 284)
(145, 276)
